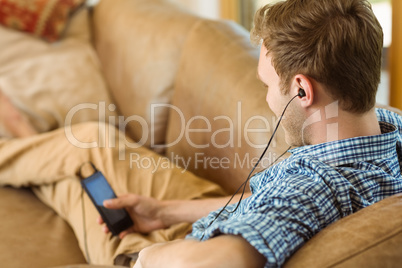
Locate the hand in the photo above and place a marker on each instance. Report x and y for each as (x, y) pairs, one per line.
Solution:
(138, 263)
(152, 256)
(221, 251)
(144, 211)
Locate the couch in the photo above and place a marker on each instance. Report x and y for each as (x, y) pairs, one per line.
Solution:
(182, 86)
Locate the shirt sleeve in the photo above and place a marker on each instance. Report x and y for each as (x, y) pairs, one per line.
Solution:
(202, 224)
(281, 216)
(276, 229)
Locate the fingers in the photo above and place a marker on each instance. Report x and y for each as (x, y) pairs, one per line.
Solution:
(104, 227)
(126, 232)
(106, 230)
(128, 200)
(120, 202)
(122, 235)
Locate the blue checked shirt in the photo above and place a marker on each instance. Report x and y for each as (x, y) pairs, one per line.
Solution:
(316, 186)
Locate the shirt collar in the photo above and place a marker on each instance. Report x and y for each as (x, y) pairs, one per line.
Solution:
(353, 150)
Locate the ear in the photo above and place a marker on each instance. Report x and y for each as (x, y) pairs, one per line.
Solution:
(305, 83)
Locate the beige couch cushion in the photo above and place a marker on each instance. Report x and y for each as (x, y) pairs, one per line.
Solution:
(217, 92)
(139, 43)
(79, 26)
(32, 233)
(371, 237)
(47, 81)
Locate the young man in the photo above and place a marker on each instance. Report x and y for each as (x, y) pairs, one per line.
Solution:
(322, 57)
(327, 54)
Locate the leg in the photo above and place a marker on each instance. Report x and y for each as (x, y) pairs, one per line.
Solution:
(50, 162)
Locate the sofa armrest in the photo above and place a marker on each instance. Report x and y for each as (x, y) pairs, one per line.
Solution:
(32, 234)
(372, 237)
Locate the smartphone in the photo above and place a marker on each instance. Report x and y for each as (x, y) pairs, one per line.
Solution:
(99, 190)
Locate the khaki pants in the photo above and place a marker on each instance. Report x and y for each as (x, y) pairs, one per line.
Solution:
(49, 163)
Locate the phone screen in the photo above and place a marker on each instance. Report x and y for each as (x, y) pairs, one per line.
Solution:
(100, 191)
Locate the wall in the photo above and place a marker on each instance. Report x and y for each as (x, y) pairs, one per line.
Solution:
(205, 8)
(215, 9)
(396, 55)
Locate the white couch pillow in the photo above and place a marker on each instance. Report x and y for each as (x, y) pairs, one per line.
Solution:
(47, 81)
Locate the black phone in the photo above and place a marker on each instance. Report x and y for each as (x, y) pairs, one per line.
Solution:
(99, 190)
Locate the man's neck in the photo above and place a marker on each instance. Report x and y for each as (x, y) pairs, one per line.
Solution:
(345, 126)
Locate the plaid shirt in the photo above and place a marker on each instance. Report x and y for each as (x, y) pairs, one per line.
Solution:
(316, 186)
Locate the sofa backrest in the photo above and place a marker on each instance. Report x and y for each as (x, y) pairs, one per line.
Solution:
(187, 86)
(220, 122)
(139, 43)
(217, 122)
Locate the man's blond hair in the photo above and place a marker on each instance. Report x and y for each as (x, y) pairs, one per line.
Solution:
(336, 42)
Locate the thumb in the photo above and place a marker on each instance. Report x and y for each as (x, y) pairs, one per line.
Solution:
(121, 202)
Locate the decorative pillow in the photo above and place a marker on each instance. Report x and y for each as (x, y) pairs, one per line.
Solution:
(51, 82)
(42, 18)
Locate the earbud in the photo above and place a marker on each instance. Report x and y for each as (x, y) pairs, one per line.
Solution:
(301, 93)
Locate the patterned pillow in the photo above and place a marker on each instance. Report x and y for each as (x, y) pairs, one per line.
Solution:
(42, 18)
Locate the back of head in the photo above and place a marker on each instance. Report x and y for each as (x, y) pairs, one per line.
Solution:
(336, 42)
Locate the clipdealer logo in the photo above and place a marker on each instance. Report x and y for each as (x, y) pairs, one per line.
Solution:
(200, 161)
(235, 136)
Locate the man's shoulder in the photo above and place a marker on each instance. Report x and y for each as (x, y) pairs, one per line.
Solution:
(298, 168)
